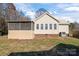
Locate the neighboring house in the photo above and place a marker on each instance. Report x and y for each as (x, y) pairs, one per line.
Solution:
(44, 25)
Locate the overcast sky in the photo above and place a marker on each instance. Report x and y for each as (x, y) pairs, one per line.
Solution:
(67, 11)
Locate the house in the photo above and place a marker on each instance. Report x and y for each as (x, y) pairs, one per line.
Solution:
(49, 26)
(43, 26)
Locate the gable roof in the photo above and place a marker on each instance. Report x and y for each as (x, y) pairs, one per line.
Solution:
(46, 13)
(63, 22)
(60, 21)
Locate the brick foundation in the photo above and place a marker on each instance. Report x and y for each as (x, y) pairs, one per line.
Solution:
(45, 36)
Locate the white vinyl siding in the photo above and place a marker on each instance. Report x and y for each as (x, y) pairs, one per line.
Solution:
(47, 29)
(64, 28)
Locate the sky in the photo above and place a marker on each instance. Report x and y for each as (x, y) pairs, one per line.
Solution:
(65, 11)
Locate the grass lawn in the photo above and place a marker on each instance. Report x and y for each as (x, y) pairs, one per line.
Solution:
(11, 45)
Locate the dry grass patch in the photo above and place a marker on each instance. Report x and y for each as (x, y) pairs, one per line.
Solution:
(11, 45)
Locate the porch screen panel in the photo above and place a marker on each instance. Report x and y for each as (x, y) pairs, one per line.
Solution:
(25, 26)
(20, 26)
(13, 26)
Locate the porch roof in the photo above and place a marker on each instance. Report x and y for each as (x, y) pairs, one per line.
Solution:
(17, 21)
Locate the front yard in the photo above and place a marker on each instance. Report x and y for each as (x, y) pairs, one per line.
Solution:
(8, 46)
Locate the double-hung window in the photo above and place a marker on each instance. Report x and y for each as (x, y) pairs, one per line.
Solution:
(37, 26)
(50, 26)
(55, 26)
(46, 26)
(41, 26)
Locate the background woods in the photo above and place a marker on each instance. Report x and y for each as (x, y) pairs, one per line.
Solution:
(8, 12)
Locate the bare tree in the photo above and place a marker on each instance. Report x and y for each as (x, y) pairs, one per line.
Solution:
(40, 12)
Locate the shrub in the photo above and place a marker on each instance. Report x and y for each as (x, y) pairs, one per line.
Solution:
(3, 27)
(76, 34)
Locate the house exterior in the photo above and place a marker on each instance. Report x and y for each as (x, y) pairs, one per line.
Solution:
(43, 26)
(47, 25)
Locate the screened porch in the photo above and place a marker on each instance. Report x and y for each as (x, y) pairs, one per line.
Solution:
(21, 30)
(17, 25)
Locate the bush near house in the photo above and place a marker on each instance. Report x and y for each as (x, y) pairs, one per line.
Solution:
(76, 34)
(3, 26)
(74, 30)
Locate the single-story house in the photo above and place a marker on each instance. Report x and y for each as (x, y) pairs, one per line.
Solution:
(44, 25)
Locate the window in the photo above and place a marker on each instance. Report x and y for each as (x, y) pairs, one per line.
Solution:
(37, 26)
(50, 26)
(55, 26)
(46, 26)
(42, 26)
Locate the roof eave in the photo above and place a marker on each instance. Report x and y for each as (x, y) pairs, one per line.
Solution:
(63, 24)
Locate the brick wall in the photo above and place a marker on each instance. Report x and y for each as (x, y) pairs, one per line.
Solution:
(45, 36)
